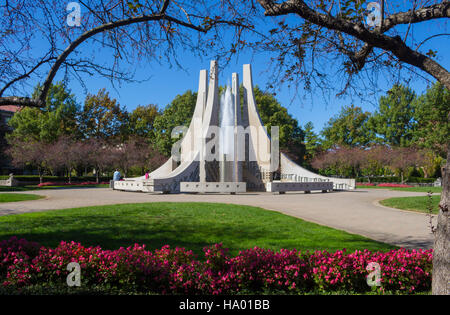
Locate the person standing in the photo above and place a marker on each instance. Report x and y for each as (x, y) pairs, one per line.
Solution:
(116, 175)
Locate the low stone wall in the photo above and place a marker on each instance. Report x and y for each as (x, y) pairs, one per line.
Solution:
(10, 182)
(213, 187)
(131, 185)
(282, 187)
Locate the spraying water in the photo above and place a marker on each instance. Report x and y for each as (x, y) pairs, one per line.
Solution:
(227, 124)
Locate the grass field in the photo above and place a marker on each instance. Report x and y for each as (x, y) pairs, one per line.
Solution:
(420, 204)
(35, 187)
(435, 190)
(18, 197)
(189, 225)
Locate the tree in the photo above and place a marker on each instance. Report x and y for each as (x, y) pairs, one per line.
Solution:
(341, 161)
(348, 128)
(353, 36)
(133, 152)
(103, 118)
(441, 252)
(403, 158)
(68, 154)
(125, 32)
(141, 121)
(178, 113)
(394, 121)
(430, 113)
(59, 117)
(375, 160)
(274, 114)
(312, 142)
(99, 155)
(430, 163)
(154, 160)
(34, 153)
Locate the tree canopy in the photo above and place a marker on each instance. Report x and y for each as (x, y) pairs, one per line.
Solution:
(431, 112)
(142, 120)
(178, 113)
(103, 118)
(394, 121)
(59, 117)
(348, 128)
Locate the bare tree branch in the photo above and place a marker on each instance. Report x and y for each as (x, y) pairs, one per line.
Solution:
(393, 44)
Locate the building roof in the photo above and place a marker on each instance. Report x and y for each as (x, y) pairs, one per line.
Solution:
(10, 108)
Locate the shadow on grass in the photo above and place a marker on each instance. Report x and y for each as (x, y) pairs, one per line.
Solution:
(189, 225)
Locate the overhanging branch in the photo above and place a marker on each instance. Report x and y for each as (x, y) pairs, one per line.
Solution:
(373, 38)
(105, 27)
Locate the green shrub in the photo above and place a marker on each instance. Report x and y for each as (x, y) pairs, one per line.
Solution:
(395, 179)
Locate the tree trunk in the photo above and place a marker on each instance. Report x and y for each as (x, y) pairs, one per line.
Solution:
(41, 177)
(441, 252)
(96, 175)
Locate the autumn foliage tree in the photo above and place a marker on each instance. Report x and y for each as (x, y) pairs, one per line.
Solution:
(403, 158)
(102, 117)
(355, 161)
(135, 152)
(31, 153)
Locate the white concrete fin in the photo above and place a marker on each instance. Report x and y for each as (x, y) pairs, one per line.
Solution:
(259, 146)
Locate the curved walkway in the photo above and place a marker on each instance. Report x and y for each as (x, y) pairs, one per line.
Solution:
(356, 211)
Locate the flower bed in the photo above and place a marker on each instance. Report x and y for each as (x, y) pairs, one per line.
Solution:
(394, 185)
(178, 271)
(70, 184)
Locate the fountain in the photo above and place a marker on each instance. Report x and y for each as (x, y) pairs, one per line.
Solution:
(226, 137)
(226, 149)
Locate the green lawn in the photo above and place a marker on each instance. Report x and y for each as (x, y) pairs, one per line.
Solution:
(18, 197)
(419, 204)
(189, 225)
(435, 190)
(35, 187)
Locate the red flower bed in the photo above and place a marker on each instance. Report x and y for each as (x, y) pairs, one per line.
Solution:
(394, 185)
(178, 271)
(70, 184)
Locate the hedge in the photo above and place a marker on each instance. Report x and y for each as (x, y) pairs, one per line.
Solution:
(25, 264)
(396, 179)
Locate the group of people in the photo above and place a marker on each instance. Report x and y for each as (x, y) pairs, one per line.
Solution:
(118, 176)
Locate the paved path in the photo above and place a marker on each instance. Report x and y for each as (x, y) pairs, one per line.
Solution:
(353, 211)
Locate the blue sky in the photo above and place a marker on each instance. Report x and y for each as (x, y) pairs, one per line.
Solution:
(165, 82)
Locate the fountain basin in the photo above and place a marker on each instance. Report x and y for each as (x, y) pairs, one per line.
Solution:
(213, 187)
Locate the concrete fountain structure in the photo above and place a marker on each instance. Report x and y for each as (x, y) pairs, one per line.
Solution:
(226, 149)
